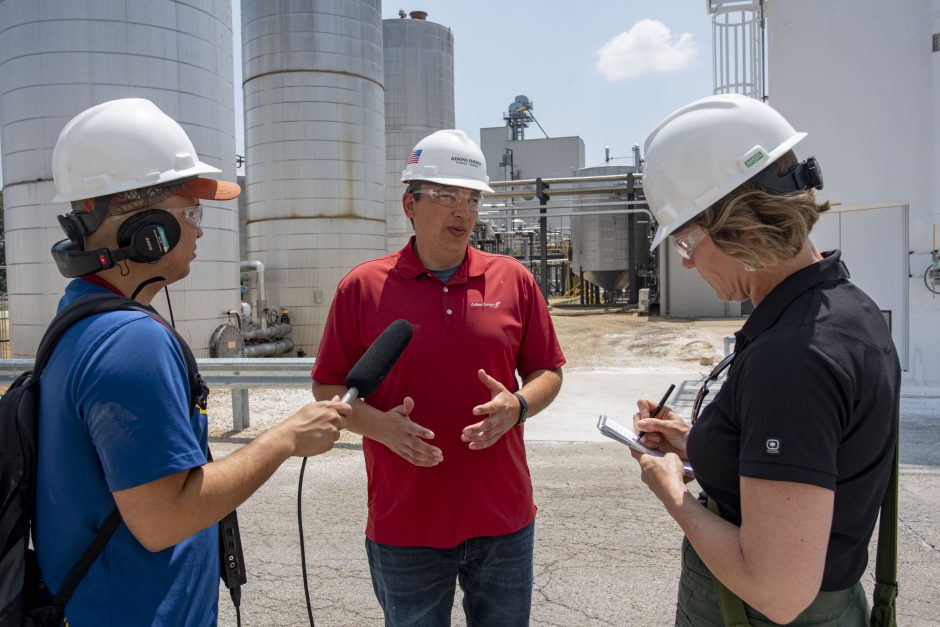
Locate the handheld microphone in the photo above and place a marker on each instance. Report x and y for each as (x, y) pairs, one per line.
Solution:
(378, 360)
(363, 378)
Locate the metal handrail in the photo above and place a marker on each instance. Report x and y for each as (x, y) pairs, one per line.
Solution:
(638, 176)
(560, 191)
(222, 372)
(238, 374)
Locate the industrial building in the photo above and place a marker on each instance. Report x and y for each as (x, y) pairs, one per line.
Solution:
(334, 96)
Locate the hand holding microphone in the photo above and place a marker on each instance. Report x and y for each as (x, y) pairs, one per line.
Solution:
(315, 427)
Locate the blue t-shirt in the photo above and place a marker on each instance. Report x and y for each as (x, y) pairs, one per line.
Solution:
(115, 414)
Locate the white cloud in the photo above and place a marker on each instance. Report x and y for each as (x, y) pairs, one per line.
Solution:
(648, 47)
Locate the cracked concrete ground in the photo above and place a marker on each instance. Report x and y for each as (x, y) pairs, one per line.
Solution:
(606, 552)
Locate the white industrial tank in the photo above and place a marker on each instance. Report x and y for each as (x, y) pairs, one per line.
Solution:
(863, 79)
(59, 57)
(419, 99)
(314, 149)
(600, 246)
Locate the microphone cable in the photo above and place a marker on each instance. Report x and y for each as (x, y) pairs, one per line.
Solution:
(169, 305)
(300, 527)
(236, 594)
(147, 282)
(363, 378)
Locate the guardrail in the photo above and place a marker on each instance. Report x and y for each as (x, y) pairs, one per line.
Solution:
(240, 375)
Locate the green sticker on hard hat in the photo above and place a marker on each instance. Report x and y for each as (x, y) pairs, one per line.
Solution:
(757, 156)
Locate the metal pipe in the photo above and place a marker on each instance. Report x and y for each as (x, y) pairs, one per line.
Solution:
(279, 330)
(566, 179)
(558, 191)
(490, 209)
(502, 206)
(585, 213)
(262, 304)
(274, 347)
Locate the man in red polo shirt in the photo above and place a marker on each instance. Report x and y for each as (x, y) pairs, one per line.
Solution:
(450, 497)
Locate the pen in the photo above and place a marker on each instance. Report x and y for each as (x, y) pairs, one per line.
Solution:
(659, 407)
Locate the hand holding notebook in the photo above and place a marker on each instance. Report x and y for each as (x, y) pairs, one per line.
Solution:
(616, 431)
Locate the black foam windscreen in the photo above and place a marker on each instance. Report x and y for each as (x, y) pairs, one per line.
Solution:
(379, 358)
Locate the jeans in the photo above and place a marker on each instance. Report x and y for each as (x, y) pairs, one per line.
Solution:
(415, 585)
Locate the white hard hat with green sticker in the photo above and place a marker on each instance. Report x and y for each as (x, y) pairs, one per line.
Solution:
(704, 150)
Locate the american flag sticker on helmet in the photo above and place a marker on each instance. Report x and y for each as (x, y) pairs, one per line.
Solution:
(414, 156)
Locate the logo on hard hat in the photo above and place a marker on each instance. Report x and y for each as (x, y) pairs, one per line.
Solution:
(414, 156)
(466, 161)
(757, 156)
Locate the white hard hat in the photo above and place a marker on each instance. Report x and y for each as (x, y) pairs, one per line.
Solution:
(704, 150)
(448, 157)
(121, 145)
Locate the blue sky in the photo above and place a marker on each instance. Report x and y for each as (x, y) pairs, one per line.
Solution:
(606, 70)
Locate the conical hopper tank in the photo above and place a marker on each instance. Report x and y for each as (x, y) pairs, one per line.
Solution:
(599, 243)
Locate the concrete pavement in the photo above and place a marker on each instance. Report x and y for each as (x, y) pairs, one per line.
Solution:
(606, 551)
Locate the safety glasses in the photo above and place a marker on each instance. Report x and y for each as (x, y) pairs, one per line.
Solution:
(712, 377)
(685, 242)
(193, 214)
(450, 198)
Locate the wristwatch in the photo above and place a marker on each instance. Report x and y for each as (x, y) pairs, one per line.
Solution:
(523, 408)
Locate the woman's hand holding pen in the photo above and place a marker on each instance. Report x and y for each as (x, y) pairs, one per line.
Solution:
(667, 432)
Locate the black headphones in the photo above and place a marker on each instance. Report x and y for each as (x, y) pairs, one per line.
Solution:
(144, 237)
(148, 235)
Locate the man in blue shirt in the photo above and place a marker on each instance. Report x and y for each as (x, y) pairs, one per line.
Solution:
(117, 424)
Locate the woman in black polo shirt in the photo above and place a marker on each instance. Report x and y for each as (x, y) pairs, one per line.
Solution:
(795, 452)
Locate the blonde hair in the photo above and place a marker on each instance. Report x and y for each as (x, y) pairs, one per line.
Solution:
(760, 227)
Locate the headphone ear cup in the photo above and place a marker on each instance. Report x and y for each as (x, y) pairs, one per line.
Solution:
(72, 227)
(149, 235)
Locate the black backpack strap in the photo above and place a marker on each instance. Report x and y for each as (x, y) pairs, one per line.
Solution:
(74, 312)
(103, 302)
(82, 308)
(198, 390)
(80, 569)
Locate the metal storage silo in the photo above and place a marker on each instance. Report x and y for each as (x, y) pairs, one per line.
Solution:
(314, 149)
(419, 100)
(59, 57)
(599, 243)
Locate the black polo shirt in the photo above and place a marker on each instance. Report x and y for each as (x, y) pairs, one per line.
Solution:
(812, 396)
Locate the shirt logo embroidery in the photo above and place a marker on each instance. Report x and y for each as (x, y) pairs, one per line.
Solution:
(487, 305)
(773, 446)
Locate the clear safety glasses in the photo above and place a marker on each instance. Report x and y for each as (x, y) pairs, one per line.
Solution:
(685, 242)
(450, 198)
(711, 378)
(193, 214)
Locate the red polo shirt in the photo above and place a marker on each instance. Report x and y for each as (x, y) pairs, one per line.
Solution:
(490, 315)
